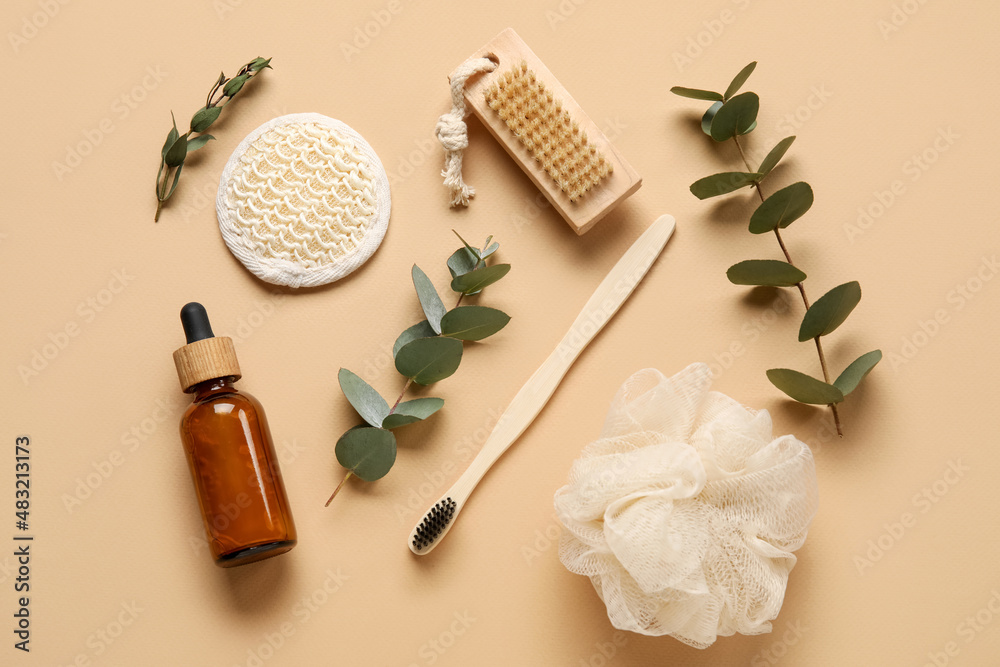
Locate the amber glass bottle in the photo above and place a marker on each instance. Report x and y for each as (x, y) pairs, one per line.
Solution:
(229, 451)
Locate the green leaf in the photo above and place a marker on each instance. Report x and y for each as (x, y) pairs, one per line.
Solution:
(369, 404)
(488, 248)
(257, 64)
(804, 388)
(830, 310)
(171, 137)
(778, 152)
(782, 208)
(412, 411)
(421, 329)
(739, 80)
(428, 360)
(753, 126)
(198, 142)
(177, 151)
(706, 120)
(461, 262)
(474, 281)
(696, 93)
(173, 186)
(368, 452)
(159, 174)
(856, 372)
(770, 272)
(234, 85)
(204, 118)
(736, 116)
(473, 322)
(429, 300)
(474, 251)
(722, 184)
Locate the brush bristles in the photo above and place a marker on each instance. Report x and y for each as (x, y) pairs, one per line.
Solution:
(548, 132)
(434, 523)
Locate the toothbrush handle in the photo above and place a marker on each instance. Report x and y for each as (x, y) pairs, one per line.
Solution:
(603, 304)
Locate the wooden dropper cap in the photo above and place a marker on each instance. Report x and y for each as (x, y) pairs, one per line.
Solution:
(206, 356)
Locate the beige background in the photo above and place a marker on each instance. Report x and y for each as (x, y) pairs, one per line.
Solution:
(863, 101)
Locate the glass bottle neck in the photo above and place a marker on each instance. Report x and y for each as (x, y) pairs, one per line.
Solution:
(223, 385)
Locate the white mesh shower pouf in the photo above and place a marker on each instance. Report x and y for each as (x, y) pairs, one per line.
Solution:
(686, 512)
(303, 201)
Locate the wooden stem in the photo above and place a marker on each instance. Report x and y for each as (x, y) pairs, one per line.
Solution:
(802, 293)
(337, 490)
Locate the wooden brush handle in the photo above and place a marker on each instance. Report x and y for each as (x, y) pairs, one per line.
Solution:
(609, 296)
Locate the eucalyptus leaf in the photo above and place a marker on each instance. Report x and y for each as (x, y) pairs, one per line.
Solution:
(198, 142)
(736, 116)
(489, 248)
(368, 402)
(428, 360)
(474, 251)
(234, 85)
(473, 322)
(204, 118)
(257, 64)
(769, 272)
(722, 183)
(429, 300)
(856, 372)
(421, 329)
(706, 120)
(177, 146)
(159, 174)
(461, 262)
(830, 310)
(368, 452)
(171, 137)
(782, 208)
(753, 126)
(696, 93)
(772, 158)
(475, 281)
(739, 80)
(804, 388)
(173, 186)
(177, 151)
(412, 411)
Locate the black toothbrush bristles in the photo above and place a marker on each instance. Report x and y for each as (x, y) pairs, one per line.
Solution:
(434, 523)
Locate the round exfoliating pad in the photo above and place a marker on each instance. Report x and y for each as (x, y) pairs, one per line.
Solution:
(303, 201)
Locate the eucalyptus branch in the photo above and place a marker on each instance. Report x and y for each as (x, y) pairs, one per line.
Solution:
(802, 290)
(425, 353)
(730, 116)
(177, 146)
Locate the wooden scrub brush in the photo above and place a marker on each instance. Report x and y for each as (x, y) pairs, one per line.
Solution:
(541, 126)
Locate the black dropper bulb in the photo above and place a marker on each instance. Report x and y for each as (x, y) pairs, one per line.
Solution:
(194, 317)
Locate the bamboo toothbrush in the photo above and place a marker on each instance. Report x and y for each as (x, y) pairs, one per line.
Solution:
(529, 401)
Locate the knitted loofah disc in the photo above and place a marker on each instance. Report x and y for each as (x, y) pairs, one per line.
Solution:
(303, 201)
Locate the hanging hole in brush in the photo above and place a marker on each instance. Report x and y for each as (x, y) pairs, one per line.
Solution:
(492, 57)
